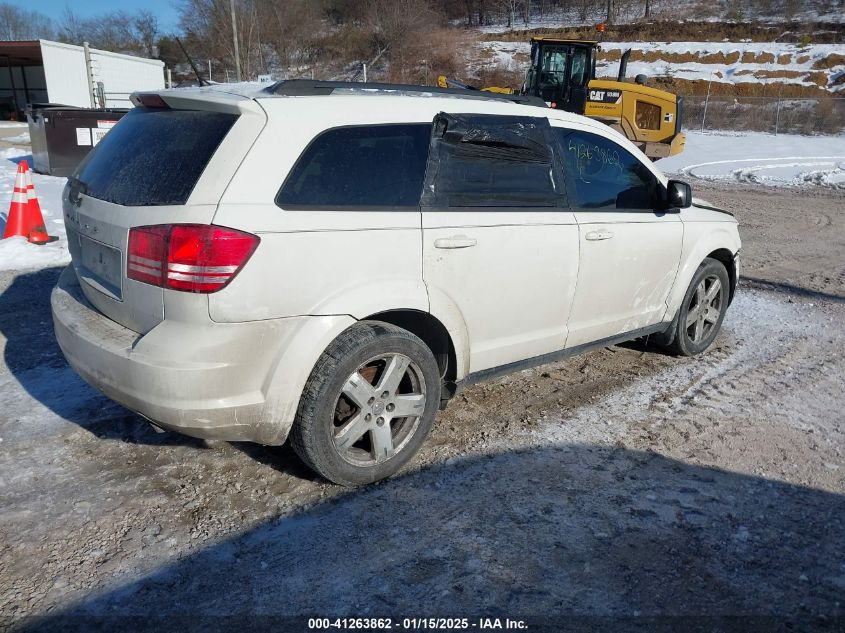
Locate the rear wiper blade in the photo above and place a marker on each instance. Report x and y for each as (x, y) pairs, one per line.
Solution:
(77, 187)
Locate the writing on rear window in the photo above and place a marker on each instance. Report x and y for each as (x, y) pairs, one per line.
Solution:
(153, 157)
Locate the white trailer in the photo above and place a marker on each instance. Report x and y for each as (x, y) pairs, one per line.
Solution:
(41, 71)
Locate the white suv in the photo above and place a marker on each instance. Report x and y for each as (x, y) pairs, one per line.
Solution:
(331, 262)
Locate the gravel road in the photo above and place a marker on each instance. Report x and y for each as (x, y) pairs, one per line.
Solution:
(624, 483)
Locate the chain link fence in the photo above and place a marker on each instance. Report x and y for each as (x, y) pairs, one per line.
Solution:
(824, 115)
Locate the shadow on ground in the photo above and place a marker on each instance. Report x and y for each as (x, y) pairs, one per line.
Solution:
(17, 160)
(790, 289)
(586, 531)
(33, 357)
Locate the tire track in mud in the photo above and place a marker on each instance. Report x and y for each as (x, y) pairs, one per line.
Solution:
(99, 500)
(766, 375)
(753, 171)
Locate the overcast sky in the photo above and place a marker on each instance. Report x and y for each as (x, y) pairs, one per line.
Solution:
(165, 10)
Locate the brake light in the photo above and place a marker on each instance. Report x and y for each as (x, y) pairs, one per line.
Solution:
(187, 257)
(148, 101)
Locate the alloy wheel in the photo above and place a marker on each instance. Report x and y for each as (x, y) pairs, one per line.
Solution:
(704, 309)
(378, 409)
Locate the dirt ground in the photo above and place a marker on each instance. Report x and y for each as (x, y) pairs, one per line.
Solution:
(624, 483)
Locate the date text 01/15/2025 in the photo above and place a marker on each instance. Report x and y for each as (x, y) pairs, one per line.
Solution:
(416, 624)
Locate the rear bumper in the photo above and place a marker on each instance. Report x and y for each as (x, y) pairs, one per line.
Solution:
(207, 380)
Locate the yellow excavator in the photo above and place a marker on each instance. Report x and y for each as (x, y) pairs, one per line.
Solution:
(563, 74)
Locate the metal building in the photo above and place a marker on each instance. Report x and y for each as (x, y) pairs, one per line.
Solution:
(41, 71)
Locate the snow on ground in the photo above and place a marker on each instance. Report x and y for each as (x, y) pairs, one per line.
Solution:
(759, 158)
(15, 252)
(786, 59)
(20, 139)
(677, 10)
(791, 58)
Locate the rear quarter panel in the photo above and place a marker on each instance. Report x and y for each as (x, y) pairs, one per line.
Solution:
(314, 261)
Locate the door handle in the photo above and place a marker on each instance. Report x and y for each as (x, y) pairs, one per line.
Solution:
(456, 241)
(601, 234)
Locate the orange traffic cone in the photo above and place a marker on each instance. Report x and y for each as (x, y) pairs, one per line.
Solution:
(17, 222)
(37, 231)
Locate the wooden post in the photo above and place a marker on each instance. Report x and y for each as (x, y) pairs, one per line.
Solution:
(88, 74)
(706, 101)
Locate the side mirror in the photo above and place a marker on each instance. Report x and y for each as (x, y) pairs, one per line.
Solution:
(678, 195)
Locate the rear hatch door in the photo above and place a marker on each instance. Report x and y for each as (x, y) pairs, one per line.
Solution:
(159, 165)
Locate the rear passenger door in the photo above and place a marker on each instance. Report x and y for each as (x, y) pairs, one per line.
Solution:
(499, 244)
(629, 248)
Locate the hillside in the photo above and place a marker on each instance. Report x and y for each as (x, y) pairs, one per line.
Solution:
(736, 63)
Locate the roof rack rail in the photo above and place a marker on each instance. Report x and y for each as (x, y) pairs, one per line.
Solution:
(314, 87)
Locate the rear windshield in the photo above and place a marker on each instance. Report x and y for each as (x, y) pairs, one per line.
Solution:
(153, 157)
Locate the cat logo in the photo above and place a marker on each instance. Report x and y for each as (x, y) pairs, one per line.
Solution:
(605, 96)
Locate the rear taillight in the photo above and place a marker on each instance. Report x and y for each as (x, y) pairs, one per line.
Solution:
(188, 257)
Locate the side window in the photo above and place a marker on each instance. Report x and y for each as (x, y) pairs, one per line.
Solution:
(490, 161)
(604, 174)
(371, 165)
(579, 66)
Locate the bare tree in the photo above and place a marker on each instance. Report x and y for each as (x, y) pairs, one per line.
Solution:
(21, 24)
(395, 20)
(71, 27)
(510, 7)
(120, 31)
(146, 27)
(289, 26)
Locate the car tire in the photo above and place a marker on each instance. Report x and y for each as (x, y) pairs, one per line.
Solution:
(368, 375)
(703, 309)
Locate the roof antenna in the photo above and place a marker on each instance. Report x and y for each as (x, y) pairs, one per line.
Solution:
(200, 80)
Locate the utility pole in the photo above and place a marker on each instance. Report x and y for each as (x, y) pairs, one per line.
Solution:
(609, 19)
(235, 42)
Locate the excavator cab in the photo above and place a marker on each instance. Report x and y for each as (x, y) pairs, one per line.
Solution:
(560, 72)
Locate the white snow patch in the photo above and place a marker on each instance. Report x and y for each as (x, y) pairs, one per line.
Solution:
(503, 53)
(569, 15)
(15, 252)
(759, 158)
(20, 139)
